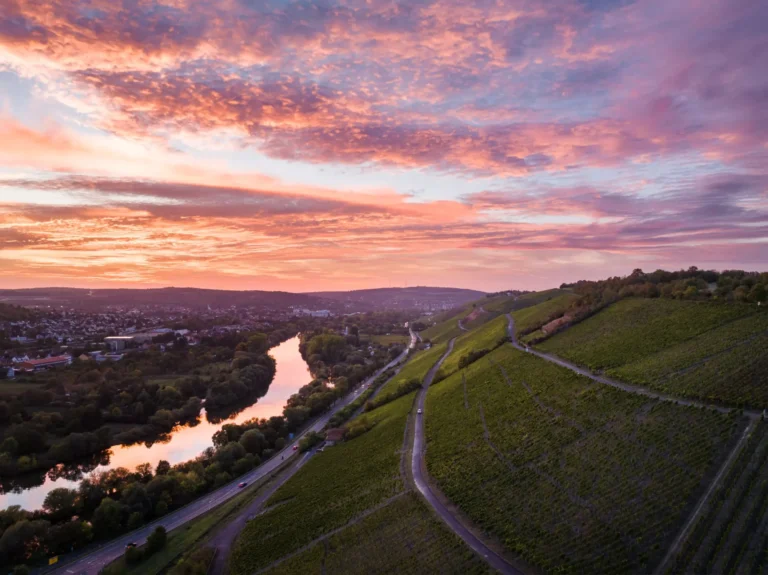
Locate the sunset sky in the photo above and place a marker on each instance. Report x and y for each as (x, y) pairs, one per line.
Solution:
(322, 144)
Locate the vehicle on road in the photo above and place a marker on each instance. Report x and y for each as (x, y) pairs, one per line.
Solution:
(242, 484)
(295, 447)
(419, 411)
(130, 544)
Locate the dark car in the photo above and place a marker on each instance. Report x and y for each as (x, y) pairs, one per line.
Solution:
(130, 545)
(242, 484)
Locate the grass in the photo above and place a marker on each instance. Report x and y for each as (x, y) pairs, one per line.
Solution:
(331, 489)
(416, 368)
(571, 475)
(189, 536)
(532, 318)
(507, 304)
(632, 329)
(403, 537)
(713, 352)
(486, 337)
(14, 387)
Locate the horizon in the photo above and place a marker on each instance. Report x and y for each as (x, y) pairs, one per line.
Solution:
(321, 146)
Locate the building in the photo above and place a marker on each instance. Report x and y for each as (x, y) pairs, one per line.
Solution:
(45, 363)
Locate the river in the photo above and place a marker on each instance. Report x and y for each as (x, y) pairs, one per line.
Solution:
(187, 441)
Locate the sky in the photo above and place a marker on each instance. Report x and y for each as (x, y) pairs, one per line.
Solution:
(321, 144)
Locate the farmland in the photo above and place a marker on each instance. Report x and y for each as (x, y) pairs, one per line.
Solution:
(726, 537)
(319, 499)
(486, 337)
(504, 305)
(531, 318)
(707, 351)
(401, 537)
(577, 477)
(416, 368)
(446, 329)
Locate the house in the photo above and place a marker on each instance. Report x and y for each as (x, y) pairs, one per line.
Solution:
(333, 436)
(45, 363)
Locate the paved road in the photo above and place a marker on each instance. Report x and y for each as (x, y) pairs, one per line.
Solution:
(418, 467)
(92, 562)
(615, 383)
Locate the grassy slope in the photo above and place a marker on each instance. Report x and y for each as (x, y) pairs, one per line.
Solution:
(485, 337)
(446, 329)
(417, 367)
(342, 483)
(586, 478)
(635, 328)
(504, 305)
(532, 318)
(714, 352)
(403, 537)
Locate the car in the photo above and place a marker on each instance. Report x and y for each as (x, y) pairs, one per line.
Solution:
(295, 447)
(321, 450)
(242, 484)
(419, 411)
(130, 545)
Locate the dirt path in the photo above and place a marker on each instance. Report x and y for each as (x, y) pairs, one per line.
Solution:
(615, 383)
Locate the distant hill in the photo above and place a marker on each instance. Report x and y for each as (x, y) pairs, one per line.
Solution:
(404, 298)
(359, 300)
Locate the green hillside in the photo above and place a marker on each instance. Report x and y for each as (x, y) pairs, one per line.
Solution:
(576, 477)
(486, 338)
(355, 493)
(702, 350)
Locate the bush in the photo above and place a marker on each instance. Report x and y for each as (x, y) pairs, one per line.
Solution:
(156, 540)
(310, 440)
(133, 555)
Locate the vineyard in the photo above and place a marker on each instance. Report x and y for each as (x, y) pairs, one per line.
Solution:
(576, 477)
(530, 319)
(486, 337)
(712, 352)
(731, 533)
(320, 498)
(401, 537)
(503, 305)
(416, 368)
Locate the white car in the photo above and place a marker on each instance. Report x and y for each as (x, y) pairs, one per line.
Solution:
(418, 411)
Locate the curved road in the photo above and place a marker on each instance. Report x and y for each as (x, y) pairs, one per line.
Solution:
(615, 383)
(91, 562)
(418, 467)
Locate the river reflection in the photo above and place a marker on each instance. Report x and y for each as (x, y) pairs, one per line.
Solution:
(183, 443)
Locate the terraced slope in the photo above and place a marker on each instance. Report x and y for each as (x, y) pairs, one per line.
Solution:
(352, 501)
(446, 329)
(509, 304)
(713, 352)
(487, 337)
(576, 477)
(731, 534)
(416, 368)
(528, 320)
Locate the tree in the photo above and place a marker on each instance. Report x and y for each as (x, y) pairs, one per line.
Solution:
(156, 540)
(163, 467)
(253, 441)
(61, 503)
(107, 519)
(22, 539)
(21, 570)
(135, 520)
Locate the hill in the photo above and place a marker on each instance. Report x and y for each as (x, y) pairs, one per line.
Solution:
(403, 298)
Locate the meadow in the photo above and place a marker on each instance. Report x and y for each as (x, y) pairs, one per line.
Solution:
(576, 476)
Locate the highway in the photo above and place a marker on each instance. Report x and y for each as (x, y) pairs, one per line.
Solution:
(91, 562)
(418, 467)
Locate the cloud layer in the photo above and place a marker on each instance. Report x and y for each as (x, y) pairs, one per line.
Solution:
(593, 136)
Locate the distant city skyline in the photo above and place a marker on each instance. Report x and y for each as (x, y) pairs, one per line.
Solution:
(342, 144)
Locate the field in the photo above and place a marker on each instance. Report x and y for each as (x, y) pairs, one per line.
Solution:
(508, 304)
(532, 318)
(712, 352)
(416, 368)
(485, 337)
(576, 476)
(320, 498)
(401, 537)
(732, 532)
(446, 329)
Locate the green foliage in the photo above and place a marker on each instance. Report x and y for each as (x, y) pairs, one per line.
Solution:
(331, 489)
(310, 440)
(359, 426)
(331, 348)
(635, 328)
(195, 564)
(487, 337)
(156, 540)
(532, 318)
(576, 476)
(402, 537)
